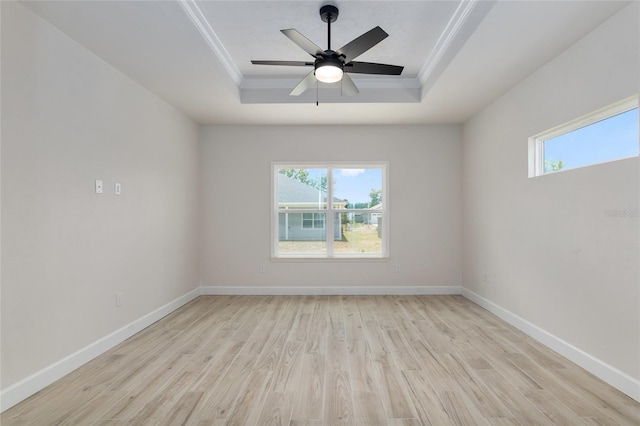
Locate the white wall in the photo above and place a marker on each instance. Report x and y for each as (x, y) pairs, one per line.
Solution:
(425, 201)
(68, 119)
(551, 255)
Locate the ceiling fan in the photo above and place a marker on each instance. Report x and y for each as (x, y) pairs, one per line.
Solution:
(331, 66)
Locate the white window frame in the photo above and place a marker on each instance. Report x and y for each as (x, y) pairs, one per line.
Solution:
(330, 212)
(536, 142)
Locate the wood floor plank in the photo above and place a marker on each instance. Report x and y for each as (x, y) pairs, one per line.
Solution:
(367, 409)
(144, 388)
(430, 409)
(459, 411)
(577, 402)
(277, 409)
(162, 404)
(309, 405)
(217, 365)
(218, 401)
(338, 405)
(600, 395)
(523, 410)
(181, 412)
(393, 391)
(288, 370)
(322, 360)
(485, 400)
(248, 404)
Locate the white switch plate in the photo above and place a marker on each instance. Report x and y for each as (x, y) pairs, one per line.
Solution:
(118, 188)
(98, 186)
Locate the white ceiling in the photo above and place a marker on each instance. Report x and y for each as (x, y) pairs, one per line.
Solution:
(458, 55)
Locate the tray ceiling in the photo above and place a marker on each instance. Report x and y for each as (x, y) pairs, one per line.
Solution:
(458, 55)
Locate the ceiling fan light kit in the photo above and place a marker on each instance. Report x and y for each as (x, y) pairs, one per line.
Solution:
(331, 66)
(329, 71)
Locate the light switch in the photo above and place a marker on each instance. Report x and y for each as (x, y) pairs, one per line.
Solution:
(98, 186)
(118, 188)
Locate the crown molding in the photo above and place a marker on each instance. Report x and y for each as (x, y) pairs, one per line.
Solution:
(444, 42)
(204, 27)
(463, 23)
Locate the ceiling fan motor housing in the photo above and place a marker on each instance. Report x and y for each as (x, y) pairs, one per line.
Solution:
(329, 13)
(329, 60)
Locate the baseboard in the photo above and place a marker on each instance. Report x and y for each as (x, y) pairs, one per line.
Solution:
(616, 378)
(344, 290)
(43, 378)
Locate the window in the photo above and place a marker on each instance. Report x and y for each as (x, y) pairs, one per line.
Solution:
(330, 211)
(313, 220)
(608, 134)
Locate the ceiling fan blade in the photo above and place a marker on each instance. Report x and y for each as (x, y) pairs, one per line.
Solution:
(307, 45)
(286, 63)
(348, 86)
(372, 68)
(305, 84)
(361, 44)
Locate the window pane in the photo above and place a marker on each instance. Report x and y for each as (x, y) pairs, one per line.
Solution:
(358, 233)
(610, 139)
(301, 233)
(357, 188)
(302, 189)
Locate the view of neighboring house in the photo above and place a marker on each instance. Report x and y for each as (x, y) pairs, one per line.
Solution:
(369, 217)
(374, 217)
(295, 195)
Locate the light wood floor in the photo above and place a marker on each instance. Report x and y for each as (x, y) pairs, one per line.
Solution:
(323, 360)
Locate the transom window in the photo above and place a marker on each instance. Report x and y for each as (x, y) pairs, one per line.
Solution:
(329, 210)
(608, 134)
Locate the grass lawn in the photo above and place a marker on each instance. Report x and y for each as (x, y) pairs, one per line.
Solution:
(361, 239)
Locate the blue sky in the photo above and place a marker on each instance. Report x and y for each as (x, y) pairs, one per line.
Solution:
(613, 138)
(352, 184)
(356, 184)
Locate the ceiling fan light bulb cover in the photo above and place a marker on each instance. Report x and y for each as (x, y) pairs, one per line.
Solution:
(329, 73)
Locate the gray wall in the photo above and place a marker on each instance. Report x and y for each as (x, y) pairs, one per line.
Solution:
(425, 203)
(68, 118)
(549, 252)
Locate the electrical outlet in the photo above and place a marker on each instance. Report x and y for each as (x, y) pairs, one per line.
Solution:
(98, 186)
(118, 300)
(261, 268)
(397, 267)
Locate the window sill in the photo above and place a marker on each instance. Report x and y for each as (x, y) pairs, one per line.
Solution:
(337, 259)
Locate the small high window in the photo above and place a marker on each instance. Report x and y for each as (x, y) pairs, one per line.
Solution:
(330, 210)
(608, 134)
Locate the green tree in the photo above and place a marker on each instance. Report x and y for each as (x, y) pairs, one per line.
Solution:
(302, 175)
(376, 197)
(553, 166)
(320, 184)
